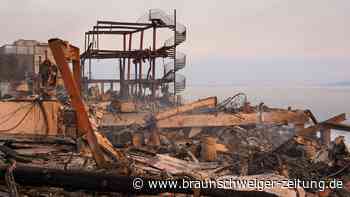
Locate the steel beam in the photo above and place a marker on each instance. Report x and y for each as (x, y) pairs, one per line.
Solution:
(109, 32)
(123, 23)
(59, 51)
(117, 27)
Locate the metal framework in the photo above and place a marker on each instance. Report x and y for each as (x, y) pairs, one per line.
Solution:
(138, 81)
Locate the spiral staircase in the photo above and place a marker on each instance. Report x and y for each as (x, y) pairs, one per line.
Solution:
(177, 59)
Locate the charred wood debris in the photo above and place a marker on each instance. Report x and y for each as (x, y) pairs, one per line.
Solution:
(261, 148)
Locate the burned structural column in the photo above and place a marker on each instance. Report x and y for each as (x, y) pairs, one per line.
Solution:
(154, 62)
(134, 85)
(121, 77)
(129, 63)
(140, 66)
(122, 71)
(129, 60)
(175, 57)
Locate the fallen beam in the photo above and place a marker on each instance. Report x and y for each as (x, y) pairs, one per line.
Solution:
(106, 182)
(205, 120)
(337, 126)
(313, 129)
(36, 139)
(209, 102)
(122, 119)
(63, 52)
(225, 119)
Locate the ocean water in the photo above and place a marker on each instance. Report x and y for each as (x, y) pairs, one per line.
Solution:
(324, 102)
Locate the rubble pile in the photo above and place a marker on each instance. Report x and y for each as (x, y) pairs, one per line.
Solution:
(63, 146)
(248, 151)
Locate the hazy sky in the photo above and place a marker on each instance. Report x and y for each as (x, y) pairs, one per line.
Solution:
(229, 41)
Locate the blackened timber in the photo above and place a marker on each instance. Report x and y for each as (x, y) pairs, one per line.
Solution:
(12, 154)
(30, 139)
(105, 182)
